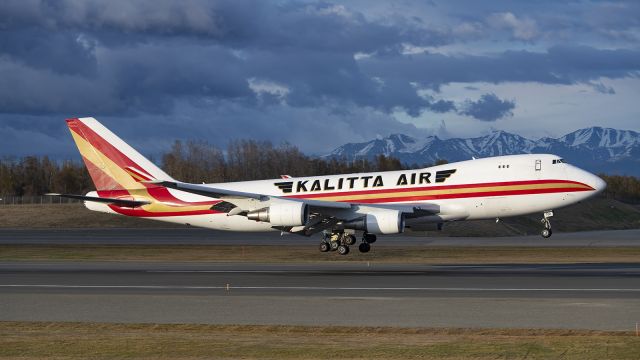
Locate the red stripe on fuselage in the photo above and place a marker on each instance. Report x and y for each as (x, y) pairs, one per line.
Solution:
(438, 187)
(139, 212)
(462, 195)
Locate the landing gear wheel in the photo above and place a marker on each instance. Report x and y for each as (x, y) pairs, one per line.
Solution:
(343, 249)
(369, 238)
(334, 245)
(349, 239)
(546, 232)
(324, 246)
(364, 247)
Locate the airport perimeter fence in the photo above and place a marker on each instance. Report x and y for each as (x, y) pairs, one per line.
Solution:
(35, 200)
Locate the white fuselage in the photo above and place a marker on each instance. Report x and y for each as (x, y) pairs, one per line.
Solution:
(486, 188)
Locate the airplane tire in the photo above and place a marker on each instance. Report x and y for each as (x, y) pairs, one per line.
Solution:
(370, 238)
(349, 239)
(324, 247)
(546, 233)
(343, 249)
(334, 245)
(364, 247)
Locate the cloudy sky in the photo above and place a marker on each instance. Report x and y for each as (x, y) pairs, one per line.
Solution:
(316, 74)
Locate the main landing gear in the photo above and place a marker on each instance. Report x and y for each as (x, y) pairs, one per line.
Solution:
(546, 232)
(340, 242)
(367, 240)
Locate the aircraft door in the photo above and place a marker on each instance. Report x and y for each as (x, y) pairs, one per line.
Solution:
(538, 168)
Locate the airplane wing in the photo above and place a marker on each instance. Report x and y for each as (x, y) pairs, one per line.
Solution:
(115, 201)
(324, 214)
(229, 195)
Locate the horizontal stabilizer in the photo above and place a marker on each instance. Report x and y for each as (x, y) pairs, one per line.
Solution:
(114, 201)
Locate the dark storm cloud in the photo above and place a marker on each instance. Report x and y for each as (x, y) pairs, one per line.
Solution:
(558, 65)
(550, 20)
(144, 54)
(269, 69)
(488, 108)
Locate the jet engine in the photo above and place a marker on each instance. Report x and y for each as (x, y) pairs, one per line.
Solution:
(282, 214)
(379, 222)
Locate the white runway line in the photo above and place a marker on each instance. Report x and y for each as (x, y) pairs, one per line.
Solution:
(178, 287)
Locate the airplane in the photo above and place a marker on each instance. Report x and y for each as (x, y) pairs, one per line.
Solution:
(338, 206)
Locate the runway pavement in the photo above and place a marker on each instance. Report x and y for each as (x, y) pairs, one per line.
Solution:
(194, 236)
(585, 296)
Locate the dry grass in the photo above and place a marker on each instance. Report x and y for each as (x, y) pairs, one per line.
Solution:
(306, 253)
(26, 340)
(73, 215)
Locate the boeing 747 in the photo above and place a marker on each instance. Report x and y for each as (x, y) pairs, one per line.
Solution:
(336, 205)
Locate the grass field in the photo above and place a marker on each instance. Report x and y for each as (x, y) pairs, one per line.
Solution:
(258, 253)
(26, 341)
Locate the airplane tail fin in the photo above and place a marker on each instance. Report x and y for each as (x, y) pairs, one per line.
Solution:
(112, 163)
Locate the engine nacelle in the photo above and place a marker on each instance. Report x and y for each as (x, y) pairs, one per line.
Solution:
(282, 214)
(379, 222)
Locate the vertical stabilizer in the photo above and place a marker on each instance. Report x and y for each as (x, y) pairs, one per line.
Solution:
(112, 163)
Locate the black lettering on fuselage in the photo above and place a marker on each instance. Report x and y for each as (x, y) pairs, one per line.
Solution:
(413, 179)
(316, 186)
(377, 182)
(351, 181)
(402, 180)
(424, 178)
(366, 180)
(302, 186)
(340, 183)
(326, 185)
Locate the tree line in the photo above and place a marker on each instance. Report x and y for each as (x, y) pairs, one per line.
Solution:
(198, 162)
(190, 161)
(622, 188)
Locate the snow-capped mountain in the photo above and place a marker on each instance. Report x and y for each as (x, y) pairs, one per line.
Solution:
(596, 149)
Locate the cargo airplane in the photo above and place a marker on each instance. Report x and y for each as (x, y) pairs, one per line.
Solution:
(335, 205)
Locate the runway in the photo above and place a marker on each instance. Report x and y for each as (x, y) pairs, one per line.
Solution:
(580, 296)
(193, 236)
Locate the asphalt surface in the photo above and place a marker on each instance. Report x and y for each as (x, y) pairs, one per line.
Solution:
(578, 296)
(194, 236)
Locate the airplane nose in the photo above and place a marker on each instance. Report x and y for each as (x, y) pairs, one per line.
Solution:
(598, 184)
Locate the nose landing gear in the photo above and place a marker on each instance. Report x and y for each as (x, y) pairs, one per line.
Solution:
(546, 232)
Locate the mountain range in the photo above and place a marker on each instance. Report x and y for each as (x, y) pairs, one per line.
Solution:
(597, 149)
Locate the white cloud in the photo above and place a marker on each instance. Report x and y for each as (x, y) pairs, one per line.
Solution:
(521, 28)
(261, 87)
